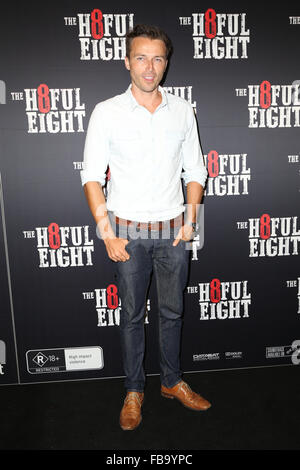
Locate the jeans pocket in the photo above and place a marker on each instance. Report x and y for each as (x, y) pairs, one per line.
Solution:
(130, 240)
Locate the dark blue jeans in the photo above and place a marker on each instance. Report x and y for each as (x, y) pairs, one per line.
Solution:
(170, 269)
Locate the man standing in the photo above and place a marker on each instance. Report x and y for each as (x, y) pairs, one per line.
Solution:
(146, 137)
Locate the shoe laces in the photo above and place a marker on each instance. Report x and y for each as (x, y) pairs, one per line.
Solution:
(132, 398)
(190, 394)
(185, 387)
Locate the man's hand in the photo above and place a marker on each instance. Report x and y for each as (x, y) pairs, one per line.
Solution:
(115, 248)
(185, 233)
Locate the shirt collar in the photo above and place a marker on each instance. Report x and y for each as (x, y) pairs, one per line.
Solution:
(134, 104)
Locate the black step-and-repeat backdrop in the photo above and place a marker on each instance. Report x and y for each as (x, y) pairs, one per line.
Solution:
(237, 64)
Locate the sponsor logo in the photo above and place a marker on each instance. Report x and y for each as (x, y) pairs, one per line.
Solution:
(216, 356)
(206, 357)
(292, 351)
(233, 355)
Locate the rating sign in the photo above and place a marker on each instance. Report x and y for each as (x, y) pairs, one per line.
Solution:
(51, 360)
(64, 359)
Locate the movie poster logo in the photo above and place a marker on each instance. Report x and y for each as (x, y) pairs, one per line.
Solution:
(184, 92)
(62, 247)
(273, 236)
(101, 35)
(295, 283)
(222, 300)
(272, 106)
(218, 35)
(53, 110)
(108, 305)
(228, 175)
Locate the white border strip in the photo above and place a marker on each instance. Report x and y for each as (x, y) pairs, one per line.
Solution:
(8, 275)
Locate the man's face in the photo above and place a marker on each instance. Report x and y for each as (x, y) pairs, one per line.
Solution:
(147, 63)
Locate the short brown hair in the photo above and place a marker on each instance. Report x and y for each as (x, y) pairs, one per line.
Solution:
(151, 32)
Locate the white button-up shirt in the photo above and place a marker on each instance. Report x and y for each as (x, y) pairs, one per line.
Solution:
(146, 153)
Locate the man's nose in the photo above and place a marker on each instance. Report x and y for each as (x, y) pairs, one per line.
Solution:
(149, 65)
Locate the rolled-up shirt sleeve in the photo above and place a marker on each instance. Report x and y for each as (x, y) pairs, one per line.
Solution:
(193, 162)
(96, 150)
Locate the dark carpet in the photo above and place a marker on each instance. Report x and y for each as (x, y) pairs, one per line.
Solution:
(252, 409)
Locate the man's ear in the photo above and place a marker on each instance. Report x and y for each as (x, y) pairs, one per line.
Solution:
(127, 65)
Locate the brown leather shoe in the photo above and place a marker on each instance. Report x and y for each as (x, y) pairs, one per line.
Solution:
(186, 396)
(130, 416)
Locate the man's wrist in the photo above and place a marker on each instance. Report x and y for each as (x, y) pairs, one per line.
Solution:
(192, 224)
(107, 239)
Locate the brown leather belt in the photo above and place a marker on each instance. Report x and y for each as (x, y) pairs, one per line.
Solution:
(160, 225)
